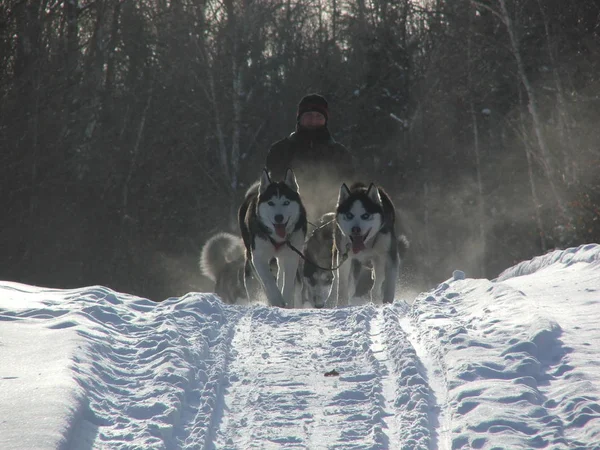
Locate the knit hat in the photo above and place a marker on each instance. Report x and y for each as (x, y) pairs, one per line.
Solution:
(313, 102)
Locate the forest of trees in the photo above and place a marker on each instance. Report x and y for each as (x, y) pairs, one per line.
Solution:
(130, 129)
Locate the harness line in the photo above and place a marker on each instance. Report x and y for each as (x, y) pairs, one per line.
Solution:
(331, 269)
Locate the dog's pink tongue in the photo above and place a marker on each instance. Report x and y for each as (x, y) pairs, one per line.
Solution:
(358, 243)
(280, 229)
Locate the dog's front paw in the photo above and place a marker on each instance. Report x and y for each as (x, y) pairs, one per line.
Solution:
(277, 300)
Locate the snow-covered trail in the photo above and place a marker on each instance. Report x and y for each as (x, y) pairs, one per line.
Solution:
(279, 397)
(194, 373)
(508, 363)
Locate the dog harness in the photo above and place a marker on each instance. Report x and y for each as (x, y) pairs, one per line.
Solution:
(276, 244)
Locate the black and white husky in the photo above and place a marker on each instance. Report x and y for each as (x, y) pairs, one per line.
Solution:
(271, 218)
(365, 232)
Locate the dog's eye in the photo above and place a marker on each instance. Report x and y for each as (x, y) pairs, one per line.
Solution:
(365, 216)
(270, 203)
(287, 202)
(349, 216)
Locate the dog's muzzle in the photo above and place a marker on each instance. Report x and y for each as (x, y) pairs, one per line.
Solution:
(316, 294)
(358, 241)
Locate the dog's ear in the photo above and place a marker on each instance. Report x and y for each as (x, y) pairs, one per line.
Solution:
(344, 194)
(264, 181)
(373, 194)
(290, 180)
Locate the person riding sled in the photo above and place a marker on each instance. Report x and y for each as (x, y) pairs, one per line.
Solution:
(320, 163)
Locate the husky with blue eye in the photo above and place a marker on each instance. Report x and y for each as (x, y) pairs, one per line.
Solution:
(272, 221)
(365, 232)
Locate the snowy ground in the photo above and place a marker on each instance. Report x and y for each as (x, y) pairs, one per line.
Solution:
(512, 363)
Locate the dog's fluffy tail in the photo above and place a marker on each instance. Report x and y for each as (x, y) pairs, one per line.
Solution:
(403, 245)
(217, 252)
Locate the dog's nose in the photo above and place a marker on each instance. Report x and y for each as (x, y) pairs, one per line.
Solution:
(279, 218)
(355, 230)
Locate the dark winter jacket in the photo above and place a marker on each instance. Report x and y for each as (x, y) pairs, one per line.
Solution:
(320, 164)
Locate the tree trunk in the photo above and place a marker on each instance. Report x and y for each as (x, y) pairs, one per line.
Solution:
(533, 110)
(564, 128)
(477, 154)
(134, 157)
(537, 205)
(237, 93)
(71, 65)
(27, 62)
(426, 224)
(72, 52)
(110, 56)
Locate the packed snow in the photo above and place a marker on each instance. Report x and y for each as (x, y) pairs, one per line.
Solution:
(510, 363)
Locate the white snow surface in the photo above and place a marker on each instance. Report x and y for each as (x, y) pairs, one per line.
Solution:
(510, 363)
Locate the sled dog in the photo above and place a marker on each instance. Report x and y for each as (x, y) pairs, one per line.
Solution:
(319, 251)
(222, 261)
(271, 218)
(365, 232)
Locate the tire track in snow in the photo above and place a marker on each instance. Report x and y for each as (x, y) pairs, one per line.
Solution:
(388, 378)
(414, 408)
(203, 403)
(435, 373)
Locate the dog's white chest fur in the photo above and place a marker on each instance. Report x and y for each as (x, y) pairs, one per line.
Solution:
(360, 217)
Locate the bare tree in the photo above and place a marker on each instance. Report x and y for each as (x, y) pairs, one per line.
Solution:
(481, 203)
(569, 163)
(545, 158)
